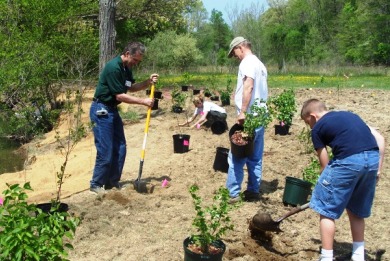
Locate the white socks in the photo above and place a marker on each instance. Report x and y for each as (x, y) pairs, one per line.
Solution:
(326, 255)
(358, 251)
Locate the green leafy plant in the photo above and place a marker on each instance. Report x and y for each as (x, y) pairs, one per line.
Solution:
(284, 106)
(178, 97)
(225, 94)
(304, 138)
(26, 233)
(211, 222)
(75, 132)
(312, 171)
(259, 116)
(187, 76)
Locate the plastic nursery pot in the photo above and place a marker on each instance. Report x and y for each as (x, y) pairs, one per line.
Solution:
(181, 143)
(240, 150)
(282, 130)
(192, 256)
(157, 94)
(218, 127)
(177, 109)
(296, 192)
(155, 104)
(45, 207)
(184, 88)
(214, 98)
(225, 102)
(221, 160)
(195, 91)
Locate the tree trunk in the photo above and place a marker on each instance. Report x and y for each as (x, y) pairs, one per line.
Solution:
(107, 33)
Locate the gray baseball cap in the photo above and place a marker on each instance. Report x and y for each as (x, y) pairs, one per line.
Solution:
(236, 41)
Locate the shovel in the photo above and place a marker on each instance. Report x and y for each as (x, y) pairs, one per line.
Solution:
(264, 222)
(138, 184)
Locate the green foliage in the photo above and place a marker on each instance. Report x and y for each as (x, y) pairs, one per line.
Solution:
(178, 97)
(312, 171)
(284, 106)
(304, 138)
(26, 233)
(211, 222)
(76, 130)
(259, 116)
(225, 94)
(187, 76)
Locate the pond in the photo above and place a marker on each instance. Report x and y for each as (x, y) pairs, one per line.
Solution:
(10, 159)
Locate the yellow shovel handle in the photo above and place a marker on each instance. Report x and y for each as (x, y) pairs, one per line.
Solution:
(147, 124)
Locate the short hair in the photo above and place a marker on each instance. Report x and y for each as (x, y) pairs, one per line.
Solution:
(246, 44)
(134, 47)
(198, 99)
(312, 105)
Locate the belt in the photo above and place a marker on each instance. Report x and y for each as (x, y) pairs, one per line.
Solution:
(104, 103)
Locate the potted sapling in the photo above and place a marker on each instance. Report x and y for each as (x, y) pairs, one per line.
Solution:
(241, 136)
(226, 93)
(210, 223)
(178, 100)
(284, 106)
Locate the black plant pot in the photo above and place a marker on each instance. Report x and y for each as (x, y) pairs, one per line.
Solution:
(184, 88)
(181, 143)
(195, 91)
(191, 256)
(240, 151)
(282, 130)
(214, 98)
(177, 109)
(221, 160)
(155, 105)
(157, 94)
(225, 102)
(46, 207)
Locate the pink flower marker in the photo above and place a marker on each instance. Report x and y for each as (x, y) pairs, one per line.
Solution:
(1, 201)
(282, 123)
(186, 143)
(201, 113)
(164, 183)
(198, 126)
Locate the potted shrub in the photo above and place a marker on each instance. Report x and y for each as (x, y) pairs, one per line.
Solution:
(75, 132)
(225, 94)
(241, 136)
(186, 76)
(210, 223)
(178, 100)
(27, 233)
(284, 106)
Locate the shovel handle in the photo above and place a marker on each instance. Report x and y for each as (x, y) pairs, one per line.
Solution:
(147, 124)
(293, 211)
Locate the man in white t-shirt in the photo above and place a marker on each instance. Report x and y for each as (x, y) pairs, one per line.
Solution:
(251, 88)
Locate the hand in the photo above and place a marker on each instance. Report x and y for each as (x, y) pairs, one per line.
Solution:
(148, 102)
(241, 118)
(153, 78)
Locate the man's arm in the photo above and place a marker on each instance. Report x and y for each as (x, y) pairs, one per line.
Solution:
(246, 98)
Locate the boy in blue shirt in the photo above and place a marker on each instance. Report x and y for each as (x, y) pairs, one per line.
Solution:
(347, 181)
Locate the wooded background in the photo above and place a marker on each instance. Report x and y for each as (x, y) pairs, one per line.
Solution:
(46, 45)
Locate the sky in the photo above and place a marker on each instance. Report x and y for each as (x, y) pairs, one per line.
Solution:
(223, 5)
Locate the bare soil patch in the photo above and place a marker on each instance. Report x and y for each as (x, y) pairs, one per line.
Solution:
(127, 225)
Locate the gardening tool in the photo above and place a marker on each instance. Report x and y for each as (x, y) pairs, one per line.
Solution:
(138, 184)
(264, 222)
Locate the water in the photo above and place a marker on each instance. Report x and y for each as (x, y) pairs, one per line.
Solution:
(10, 161)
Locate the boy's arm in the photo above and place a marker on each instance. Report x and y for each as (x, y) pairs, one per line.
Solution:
(380, 140)
(323, 157)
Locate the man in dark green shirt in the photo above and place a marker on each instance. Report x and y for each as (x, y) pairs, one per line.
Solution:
(114, 82)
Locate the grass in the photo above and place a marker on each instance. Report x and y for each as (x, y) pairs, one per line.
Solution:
(302, 77)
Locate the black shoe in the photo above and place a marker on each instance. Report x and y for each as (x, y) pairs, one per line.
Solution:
(251, 196)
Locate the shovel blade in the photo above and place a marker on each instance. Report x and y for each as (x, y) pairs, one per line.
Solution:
(140, 186)
(264, 222)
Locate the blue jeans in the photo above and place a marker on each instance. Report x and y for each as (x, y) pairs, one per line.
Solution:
(110, 145)
(254, 164)
(347, 183)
